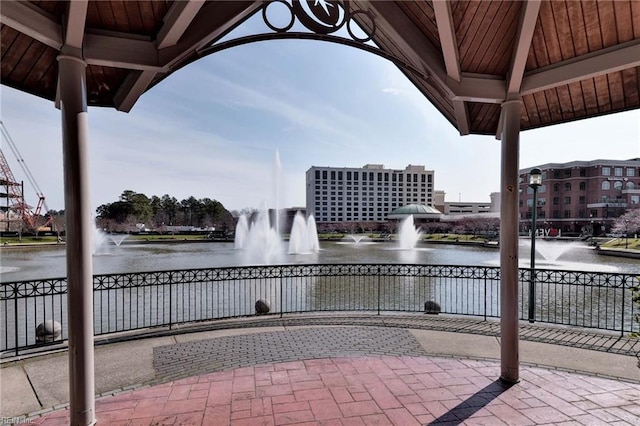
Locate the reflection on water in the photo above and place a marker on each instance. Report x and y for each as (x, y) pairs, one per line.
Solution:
(28, 264)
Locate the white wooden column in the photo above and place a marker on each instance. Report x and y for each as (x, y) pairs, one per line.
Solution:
(79, 230)
(509, 352)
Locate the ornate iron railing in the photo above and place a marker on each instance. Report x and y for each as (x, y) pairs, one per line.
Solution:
(145, 300)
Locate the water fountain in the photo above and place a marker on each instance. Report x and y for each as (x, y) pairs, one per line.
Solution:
(552, 251)
(573, 255)
(102, 239)
(304, 236)
(355, 238)
(259, 240)
(408, 234)
(242, 229)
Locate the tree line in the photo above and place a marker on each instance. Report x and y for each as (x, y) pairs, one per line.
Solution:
(134, 209)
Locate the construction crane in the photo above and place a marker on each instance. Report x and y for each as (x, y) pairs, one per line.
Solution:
(15, 190)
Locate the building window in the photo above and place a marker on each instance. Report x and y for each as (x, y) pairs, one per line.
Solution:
(582, 199)
(567, 173)
(631, 171)
(324, 174)
(317, 174)
(556, 187)
(567, 186)
(556, 201)
(583, 186)
(583, 172)
(567, 214)
(606, 171)
(617, 185)
(567, 200)
(618, 171)
(630, 185)
(606, 185)
(542, 188)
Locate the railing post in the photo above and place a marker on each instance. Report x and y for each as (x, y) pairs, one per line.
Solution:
(281, 294)
(485, 294)
(170, 299)
(623, 299)
(378, 268)
(15, 315)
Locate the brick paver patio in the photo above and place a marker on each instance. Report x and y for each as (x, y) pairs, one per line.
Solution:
(379, 390)
(352, 376)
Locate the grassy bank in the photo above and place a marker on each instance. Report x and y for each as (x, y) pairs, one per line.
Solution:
(622, 243)
(615, 243)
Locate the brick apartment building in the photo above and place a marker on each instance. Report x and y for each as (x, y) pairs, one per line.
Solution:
(581, 197)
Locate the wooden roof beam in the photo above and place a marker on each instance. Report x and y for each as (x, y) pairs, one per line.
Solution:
(205, 25)
(135, 84)
(122, 51)
(75, 23)
(30, 21)
(210, 24)
(176, 22)
(522, 45)
(391, 20)
(449, 44)
(601, 62)
(446, 31)
(482, 88)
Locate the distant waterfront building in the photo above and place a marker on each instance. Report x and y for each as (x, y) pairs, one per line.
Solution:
(367, 194)
(467, 207)
(581, 197)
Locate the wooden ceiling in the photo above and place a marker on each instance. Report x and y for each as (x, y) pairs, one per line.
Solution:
(566, 60)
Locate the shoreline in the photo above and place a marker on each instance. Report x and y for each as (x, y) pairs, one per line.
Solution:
(605, 251)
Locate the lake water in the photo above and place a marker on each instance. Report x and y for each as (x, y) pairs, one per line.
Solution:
(18, 264)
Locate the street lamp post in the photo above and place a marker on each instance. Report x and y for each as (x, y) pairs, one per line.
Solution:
(535, 180)
(626, 234)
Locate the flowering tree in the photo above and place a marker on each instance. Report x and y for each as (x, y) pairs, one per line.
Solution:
(628, 223)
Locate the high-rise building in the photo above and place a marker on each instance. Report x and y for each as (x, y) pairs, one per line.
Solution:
(581, 197)
(366, 194)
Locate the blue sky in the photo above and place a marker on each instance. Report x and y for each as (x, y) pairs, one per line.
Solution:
(213, 129)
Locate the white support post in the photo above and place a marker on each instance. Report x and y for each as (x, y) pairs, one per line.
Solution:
(79, 229)
(509, 353)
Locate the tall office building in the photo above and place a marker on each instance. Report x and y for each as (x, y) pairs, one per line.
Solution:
(367, 194)
(581, 197)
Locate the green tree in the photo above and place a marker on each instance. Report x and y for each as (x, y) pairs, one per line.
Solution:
(169, 208)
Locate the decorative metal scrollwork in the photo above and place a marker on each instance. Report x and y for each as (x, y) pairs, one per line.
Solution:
(322, 17)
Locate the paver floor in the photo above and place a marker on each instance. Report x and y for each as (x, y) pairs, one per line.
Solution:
(352, 376)
(372, 390)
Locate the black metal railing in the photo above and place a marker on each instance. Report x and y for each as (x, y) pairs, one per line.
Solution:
(135, 301)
